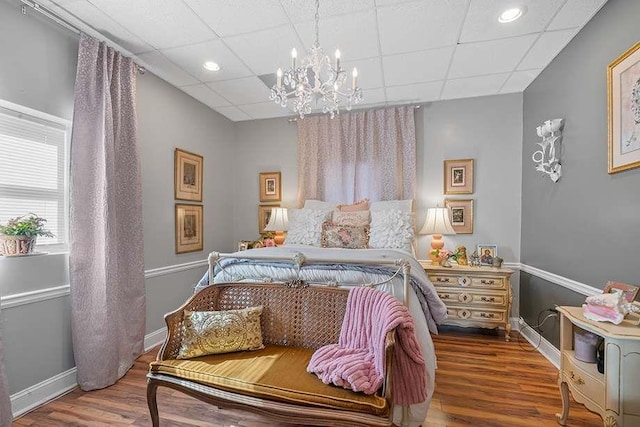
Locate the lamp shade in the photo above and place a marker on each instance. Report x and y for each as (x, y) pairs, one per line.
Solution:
(437, 222)
(278, 221)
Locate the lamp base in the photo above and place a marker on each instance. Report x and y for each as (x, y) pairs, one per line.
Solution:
(278, 238)
(436, 244)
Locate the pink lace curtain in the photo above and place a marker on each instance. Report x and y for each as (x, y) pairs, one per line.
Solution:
(106, 248)
(355, 155)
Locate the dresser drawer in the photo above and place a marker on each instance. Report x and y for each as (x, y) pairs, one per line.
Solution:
(457, 314)
(473, 297)
(583, 378)
(467, 281)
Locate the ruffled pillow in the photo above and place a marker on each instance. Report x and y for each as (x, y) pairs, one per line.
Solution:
(391, 229)
(344, 236)
(358, 218)
(305, 226)
(215, 332)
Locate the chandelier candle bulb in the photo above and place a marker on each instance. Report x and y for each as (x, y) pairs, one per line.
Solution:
(338, 60)
(355, 77)
(294, 55)
(279, 74)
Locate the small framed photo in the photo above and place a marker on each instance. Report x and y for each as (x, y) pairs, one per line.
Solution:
(623, 99)
(461, 212)
(458, 176)
(630, 292)
(188, 176)
(270, 187)
(243, 245)
(264, 214)
(487, 253)
(189, 232)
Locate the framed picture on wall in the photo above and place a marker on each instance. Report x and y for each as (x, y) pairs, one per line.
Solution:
(630, 292)
(623, 102)
(188, 176)
(270, 187)
(487, 253)
(189, 232)
(264, 214)
(458, 176)
(461, 212)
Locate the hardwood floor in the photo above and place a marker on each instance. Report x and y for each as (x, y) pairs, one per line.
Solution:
(481, 381)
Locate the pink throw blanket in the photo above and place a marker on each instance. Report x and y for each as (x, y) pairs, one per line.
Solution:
(357, 361)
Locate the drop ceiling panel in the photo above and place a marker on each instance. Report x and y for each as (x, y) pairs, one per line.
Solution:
(519, 80)
(304, 10)
(265, 51)
(248, 90)
(233, 113)
(159, 65)
(546, 48)
(482, 19)
(489, 57)
(355, 35)
(369, 72)
(206, 95)
(473, 86)
(162, 24)
(192, 58)
(419, 92)
(264, 110)
(102, 23)
(417, 67)
(256, 15)
(408, 27)
(575, 13)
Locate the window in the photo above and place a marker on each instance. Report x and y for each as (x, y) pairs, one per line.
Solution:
(34, 159)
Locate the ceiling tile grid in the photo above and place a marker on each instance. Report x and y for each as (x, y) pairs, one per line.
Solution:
(406, 51)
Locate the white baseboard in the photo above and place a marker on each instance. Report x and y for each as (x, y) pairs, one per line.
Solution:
(51, 388)
(38, 394)
(543, 346)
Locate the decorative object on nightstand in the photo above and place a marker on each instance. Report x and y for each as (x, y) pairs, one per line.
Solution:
(461, 255)
(613, 394)
(487, 253)
(437, 223)
(474, 296)
(279, 223)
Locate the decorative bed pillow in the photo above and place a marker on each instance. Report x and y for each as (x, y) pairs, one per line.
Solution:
(215, 332)
(319, 205)
(344, 236)
(358, 218)
(391, 229)
(360, 205)
(305, 226)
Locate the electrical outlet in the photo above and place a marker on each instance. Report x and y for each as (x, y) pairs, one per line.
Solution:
(554, 308)
(520, 321)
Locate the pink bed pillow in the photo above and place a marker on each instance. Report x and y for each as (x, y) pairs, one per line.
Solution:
(360, 205)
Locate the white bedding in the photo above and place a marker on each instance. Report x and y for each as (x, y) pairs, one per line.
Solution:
(427, 314)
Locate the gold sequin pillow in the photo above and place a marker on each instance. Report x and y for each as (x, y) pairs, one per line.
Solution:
(215, 332)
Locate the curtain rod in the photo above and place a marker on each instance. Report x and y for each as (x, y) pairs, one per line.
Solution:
(62, 22)
(415, 107)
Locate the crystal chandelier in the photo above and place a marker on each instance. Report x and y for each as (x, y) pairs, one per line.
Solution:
(315, 79)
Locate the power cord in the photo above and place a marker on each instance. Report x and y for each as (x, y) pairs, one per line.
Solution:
(553, 312)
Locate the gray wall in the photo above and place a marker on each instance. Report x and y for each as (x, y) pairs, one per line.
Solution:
(586, 226)
(488, 129)
(37, 69)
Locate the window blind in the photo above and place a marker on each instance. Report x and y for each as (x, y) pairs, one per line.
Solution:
(34, 170)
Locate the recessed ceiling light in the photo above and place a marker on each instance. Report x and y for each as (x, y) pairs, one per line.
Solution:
(211, 66)
(511, 15)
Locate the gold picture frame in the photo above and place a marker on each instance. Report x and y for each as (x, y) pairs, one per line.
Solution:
(458, 176)
(188, 175)
(623, 110)
(630, 292)
(270, 187)
(189, 231)
(264, 213)
(461, 215)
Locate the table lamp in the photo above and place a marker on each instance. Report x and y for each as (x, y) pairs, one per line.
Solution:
(278, 222)
(437, 224)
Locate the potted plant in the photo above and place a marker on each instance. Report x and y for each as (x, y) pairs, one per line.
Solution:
(18, 236)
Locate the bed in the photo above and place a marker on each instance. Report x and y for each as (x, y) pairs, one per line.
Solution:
(382, 267)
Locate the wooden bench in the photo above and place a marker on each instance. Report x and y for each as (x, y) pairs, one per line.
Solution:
(273, 382)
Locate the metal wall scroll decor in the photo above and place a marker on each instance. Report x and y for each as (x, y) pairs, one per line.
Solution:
(547, 159)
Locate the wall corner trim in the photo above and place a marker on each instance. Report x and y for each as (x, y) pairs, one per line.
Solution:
(579, 287)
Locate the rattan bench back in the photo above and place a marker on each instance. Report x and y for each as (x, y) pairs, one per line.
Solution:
(302, 317)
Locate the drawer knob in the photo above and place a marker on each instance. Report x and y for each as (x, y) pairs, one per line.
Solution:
(445, 296)
(465, 298)
(442, 279)
(464, 281)
(465, 314)
(488, 282)
(487, 315)
(578, 380)
(488, 299)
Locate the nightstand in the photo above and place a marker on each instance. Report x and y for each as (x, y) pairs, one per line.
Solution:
(613, 394)
(474, 296)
